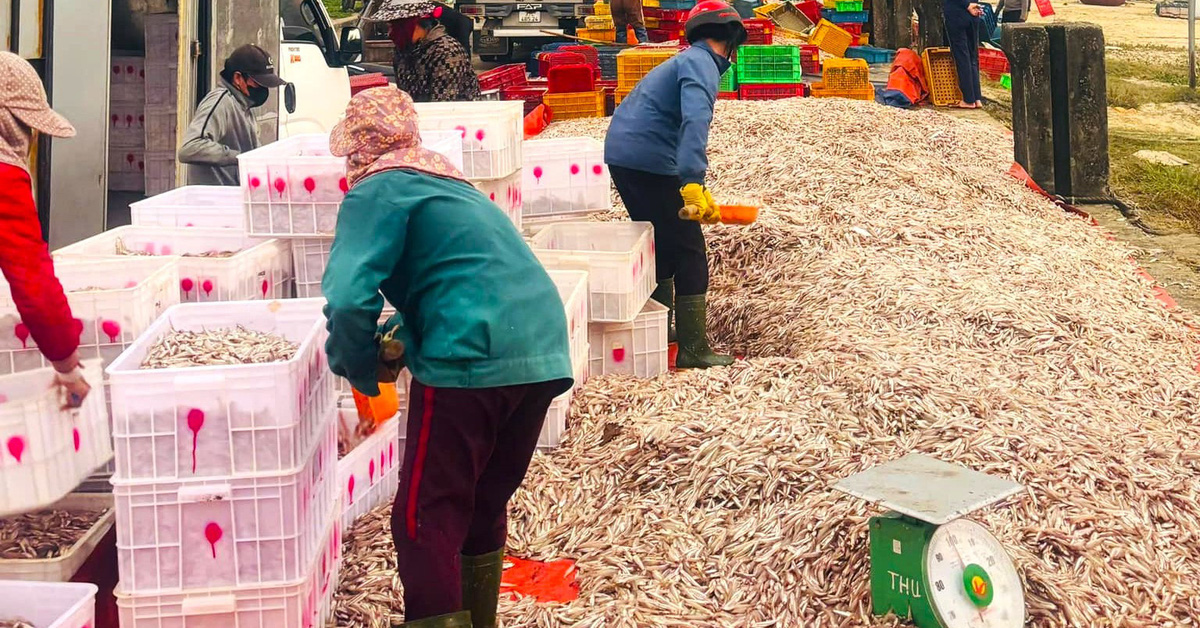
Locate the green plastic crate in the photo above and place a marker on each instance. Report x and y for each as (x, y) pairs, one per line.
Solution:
(1006, 81)
(848, 5)
(729, 80)
(759, 65)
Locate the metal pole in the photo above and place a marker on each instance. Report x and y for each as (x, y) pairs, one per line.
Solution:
(1192, 44)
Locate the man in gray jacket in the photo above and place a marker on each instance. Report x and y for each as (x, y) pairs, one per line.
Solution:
(225, 126)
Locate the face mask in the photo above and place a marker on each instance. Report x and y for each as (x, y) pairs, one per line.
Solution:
(258, 95)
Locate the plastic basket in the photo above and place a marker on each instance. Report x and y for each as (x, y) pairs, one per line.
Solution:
(992, 63)
(563, 177)
(205, 206)
(162, 84)
(504, 76)
(127, 124)
(596, 35)
(506, 193)
(49, 604)
(601, 8)
(304, 603)
(855, 29)
(663, 36)
(115, 300)
(768, 64)
(727, 96)
(531, 96)
(548, 60)
(491, 133)
(578, 105)
(846, 74)
(619, 259)
(759, 31)
(260, 269)
(650, 3)
(620, 95)
(48, 451)
(771, 91)
(846, 17)
(677, 5)
(831, 38)
(942, 75)
(728, 80)
(1006, 81)
(310, 256)
(589, 53)
(668, 15)
(871, 54)
(160, 129)
(789, 21)
(635, 63)
(637, 348)
(554, 428)
(567, 79)
(820, 91)
(369, 474)
(64, 567)
(848, 5)
(573, 288)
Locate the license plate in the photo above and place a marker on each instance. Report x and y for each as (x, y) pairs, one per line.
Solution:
(529, 17)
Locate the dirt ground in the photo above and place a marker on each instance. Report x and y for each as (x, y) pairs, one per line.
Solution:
(1132, 24)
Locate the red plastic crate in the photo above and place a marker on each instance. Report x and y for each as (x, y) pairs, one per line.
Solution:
(566, 79)
(727, 95)
(810, 59)
(811, 10)
(660, 36)
(852, 28)
(677, 26)
(759, 32)
(547, 60)
(532, 95)
(669, 15)
(504, 76)
(588, 52)
(992, 63)
(364, 82)
(772, 92)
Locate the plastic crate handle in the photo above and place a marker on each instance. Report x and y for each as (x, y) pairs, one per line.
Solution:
(217, 604)
(205, 493)
(204, 383)
(572, 262)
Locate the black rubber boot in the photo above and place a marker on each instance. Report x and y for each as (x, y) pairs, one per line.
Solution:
(665, 294)
(461, 619)
(694, 351)
(481, 587)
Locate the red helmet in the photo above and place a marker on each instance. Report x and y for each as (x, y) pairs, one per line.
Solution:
(708, 12)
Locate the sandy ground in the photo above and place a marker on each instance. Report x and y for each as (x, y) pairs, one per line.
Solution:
(1132, 24)
(1170, 119)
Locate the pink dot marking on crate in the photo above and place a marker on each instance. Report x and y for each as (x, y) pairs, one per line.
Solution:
(371, 471)
(255, 183)
(142, 120)
(187, 285)
(492, 196)
(381, 462)
(391, 454)
(280, 186)
(350, 488)
(112, 329)
(479, 135)
(574, 169)
(266, 286)
(597, 170)
(537, 173)
(195, 421)
(75, 438)
(618, 353)
(131, 283)
(310, 184)
(115, 120)
(3, 398)
(129, 158)
(116, 69)
(129, 69)
(166, 249)
(22, 333)
(16, 447)
(462, 130)
(213, 533)
(344, 185)
(207, 287)
(128, 119)
(141, 165)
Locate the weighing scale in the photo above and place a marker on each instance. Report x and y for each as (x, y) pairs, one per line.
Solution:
(927, 563)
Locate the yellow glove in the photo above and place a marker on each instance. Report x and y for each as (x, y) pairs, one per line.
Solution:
(698, 204)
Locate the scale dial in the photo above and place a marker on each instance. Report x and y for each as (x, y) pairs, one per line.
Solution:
(972, 582)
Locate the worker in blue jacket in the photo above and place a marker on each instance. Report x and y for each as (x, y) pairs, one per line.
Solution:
(656, 150)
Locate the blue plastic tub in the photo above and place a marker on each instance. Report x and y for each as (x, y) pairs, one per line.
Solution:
(872, 54)
(845, 17)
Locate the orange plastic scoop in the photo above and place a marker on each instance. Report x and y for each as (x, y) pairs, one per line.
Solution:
(738, 214)
(377, 409)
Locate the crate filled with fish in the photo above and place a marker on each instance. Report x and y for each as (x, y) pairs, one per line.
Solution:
(222, 390)
(369, 472)
(47, 604)
(619, 259)
(294, 187)
(304, 602)
(637, 348)
(51, 544)
(506, 193)
(113, 300)
(47, 448)
(565, 176)
(204, 206)
(214, 264)
(491, 131)
(573, 289)
(554, 428)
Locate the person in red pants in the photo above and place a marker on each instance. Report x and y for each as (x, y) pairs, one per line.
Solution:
(24, 257)
(484, 333)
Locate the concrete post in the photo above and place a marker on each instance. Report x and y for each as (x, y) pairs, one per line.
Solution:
(1028, 50)
(1077, 76)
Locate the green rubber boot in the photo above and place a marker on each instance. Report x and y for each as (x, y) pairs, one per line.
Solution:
(694, 352)
(461, 619)
(665, 294)
(481, 587)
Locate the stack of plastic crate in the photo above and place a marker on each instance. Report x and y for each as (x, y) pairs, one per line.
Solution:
(727, 89)
(845, 78)
(225, 476)
(564, 178)
(668, 23)
(599, 27)
(635, 63)
(810, 59)
(607, 59)
(769, 72)
(127, 123)
(162, 74)
(572, 92)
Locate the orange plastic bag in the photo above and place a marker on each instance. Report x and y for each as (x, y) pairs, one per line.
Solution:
(908, 76)
(545, 582)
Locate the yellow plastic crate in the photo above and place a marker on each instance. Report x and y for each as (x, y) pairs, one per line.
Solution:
(599, 22)
(609, 36)
(602, 8)
(635, 63)
(864, 40)
(620, 95)
(831, 38)
(765, 10)
(819, 90)
(575, 105)
(651, 22)
(942, 76)
(654, 4)
(846, 74)
(788, 20)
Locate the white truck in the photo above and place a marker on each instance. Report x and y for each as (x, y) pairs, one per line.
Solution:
(505, 29)
(72, 51)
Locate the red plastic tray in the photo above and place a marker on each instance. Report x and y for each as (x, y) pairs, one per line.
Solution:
(811, 10)
(503, 76)
(727, 96)
(367, 81)
(772, 92)
(660, 36)
(759, 31)
(566, 79)
(547, 60)
(852, 28)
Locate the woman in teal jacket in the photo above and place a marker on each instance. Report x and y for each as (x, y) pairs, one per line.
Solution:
(485, 337)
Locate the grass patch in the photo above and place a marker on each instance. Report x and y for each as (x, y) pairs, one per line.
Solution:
(1130, 95)
(335, 9)
(1125, 68)
(1155, 189)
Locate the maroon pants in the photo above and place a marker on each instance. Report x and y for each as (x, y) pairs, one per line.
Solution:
(466, 452)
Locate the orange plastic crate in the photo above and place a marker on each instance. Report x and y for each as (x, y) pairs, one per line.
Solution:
(635, 63)
(831, 39)
(942, 76)
(819, 90)
(575, 105)
(846, 74)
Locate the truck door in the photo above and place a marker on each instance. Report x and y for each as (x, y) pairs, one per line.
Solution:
(309, 59)
(239, 22)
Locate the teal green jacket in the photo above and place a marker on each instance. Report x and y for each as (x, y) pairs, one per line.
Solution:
(475, 307)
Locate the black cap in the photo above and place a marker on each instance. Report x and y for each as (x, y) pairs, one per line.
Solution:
(255, 63)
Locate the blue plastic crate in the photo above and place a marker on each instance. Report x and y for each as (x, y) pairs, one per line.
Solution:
(608, 61)
(845, 17)
(871, 54)
(677, 5)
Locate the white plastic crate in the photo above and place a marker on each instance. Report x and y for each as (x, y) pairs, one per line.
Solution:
(160, 129)
(573, 288)
(370, 474)
(63, 568)
(227, 532)
(555, 426)
(619, 259)
(127, 124)
(491, 132)
(162, 84)
(220, 421)
(205, 206)
(49, 604)
(505, 192)
(310, 256)
(636, 348)
(294, 187)
(126, 168)
(565, 176)
(127, 70)
(304, 603)
(114, 299)
(260, 270)
(48, 451)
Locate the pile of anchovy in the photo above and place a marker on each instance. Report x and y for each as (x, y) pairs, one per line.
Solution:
(900, 293)
(217, 347)
(46, 534)
(123, 249)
